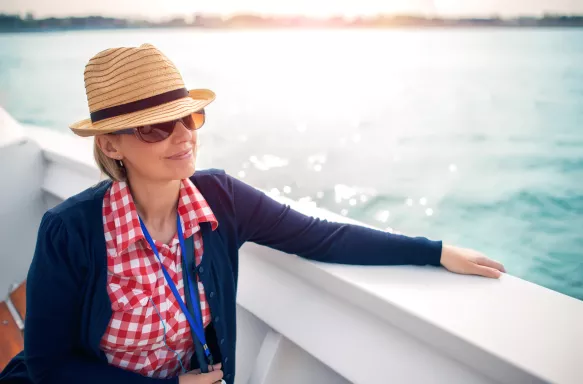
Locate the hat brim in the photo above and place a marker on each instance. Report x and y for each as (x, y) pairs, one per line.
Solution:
(197, 100)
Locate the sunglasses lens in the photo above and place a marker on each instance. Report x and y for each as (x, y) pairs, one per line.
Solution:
(198, 119)
(154, 133)
(188, 122)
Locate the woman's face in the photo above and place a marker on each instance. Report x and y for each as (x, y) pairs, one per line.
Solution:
(170, 159)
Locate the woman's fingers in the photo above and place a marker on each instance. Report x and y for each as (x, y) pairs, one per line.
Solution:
(210, 369)
(469, 262)
(193, 372)
(485, 271)
(490, 263)
(213, 376)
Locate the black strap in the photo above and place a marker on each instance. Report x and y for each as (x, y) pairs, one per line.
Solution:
(198, 350)
(138, 105)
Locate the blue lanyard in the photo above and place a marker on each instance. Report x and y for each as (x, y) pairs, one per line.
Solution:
(197, 326)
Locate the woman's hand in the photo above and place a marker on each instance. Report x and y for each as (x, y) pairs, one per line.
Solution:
(469, 262)
(195, 377)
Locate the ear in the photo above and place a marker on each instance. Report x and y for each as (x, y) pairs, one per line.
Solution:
(109, 145)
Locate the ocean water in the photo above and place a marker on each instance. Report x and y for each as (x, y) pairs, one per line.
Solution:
(471, 136)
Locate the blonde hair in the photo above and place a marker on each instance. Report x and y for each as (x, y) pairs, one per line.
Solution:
(112, 168)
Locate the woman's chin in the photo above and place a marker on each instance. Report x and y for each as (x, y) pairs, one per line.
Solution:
(183, 171)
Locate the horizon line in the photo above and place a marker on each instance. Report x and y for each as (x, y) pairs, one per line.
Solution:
(425, 15)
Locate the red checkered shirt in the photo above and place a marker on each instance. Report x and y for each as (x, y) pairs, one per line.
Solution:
(134, 339)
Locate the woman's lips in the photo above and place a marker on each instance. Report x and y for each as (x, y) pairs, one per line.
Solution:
(181, 155)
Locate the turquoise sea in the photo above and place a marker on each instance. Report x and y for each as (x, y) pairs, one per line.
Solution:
(473, 136)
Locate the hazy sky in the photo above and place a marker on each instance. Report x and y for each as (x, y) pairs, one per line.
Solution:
(158, 8)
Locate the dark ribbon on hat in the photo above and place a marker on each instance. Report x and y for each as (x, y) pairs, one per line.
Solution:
(138, 105)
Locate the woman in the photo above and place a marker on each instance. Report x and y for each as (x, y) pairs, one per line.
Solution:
(119, 291)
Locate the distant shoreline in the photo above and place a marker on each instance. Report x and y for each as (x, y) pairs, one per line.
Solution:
(16, 24)
(273, 28)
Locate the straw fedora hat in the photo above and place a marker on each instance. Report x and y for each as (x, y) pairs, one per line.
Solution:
(132, 86)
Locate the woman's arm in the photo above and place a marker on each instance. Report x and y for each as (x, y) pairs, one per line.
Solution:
(53, 314)
(263, 220)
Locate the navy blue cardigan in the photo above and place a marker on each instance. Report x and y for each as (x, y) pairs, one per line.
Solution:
(68, 308)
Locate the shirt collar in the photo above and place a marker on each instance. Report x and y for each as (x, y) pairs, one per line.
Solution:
(192, 208)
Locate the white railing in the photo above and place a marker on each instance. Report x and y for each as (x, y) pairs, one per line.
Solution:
(302, 321)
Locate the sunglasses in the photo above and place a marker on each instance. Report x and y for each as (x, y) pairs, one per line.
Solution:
(154, 133)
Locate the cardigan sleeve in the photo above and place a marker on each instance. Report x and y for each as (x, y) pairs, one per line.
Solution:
(265, 221)
(53, 313)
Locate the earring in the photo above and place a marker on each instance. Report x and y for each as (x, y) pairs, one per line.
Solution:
(120, 163)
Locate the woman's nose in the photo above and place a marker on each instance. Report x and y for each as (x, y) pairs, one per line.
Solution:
(181, 132)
